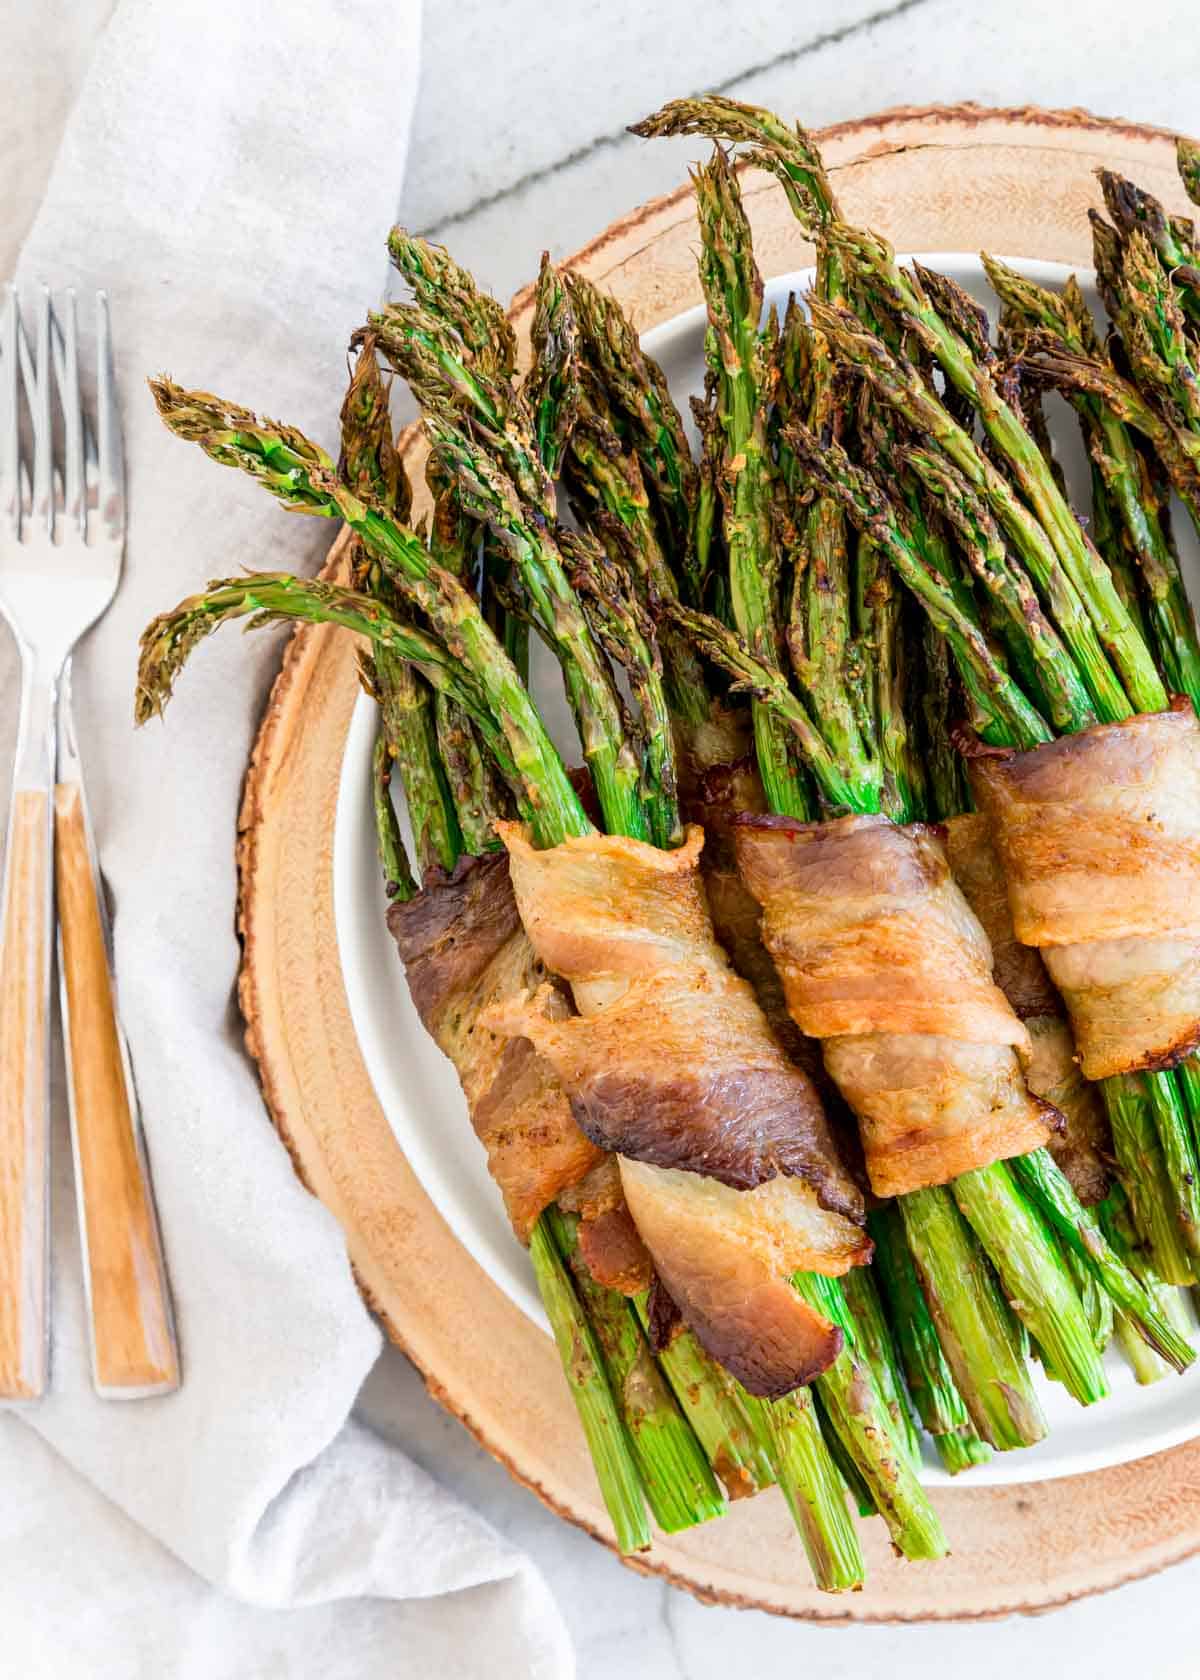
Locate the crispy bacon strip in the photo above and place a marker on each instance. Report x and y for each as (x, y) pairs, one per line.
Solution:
(726, 1158)
(883, 961)
(465, 951)
(1099, 838)
(1084, 1143)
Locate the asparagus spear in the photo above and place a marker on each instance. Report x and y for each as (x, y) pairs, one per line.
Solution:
(637, 392)
(903, 388)
(972, 1322)
(1187, 159)
(718, 1410)
(787, 1430)
(879, 1351)
(583, 1363)
(679, 1484)
(862, 1412)
(1000, 708)
(604, 477)
(302, 477)
(738, 358)
(808, 1478)
(849, 1391)
(1118, 1226)
(1078, 560)
(1132, 210)
(929, 1378)
(490, 499)
(399, 883)
(369, 463)
(1118, 466)
(1084, 1234)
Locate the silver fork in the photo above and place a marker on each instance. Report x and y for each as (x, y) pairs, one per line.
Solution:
(61, 544)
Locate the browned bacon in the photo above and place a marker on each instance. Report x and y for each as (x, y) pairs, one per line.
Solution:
(1053, 1072)
(1099, 838)
(882, 959)
(727, 1163)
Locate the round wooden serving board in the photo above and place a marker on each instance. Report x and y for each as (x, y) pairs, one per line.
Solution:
(1014, 182)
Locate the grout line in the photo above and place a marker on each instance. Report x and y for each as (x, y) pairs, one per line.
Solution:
(605, 142)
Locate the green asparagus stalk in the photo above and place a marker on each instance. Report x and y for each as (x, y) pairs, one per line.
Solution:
(582, 1360)
(369, 463)
(1149, 317)
(1179, 1154)
(850, 1393)
(399, 883)
(1041, 1294)
(551, 388)
(1083, 1233)
(625, 632)
(870, 262)
(680, 1486)
(809, 1480)
(1097, 1303)
(852, 1476)
(903, 388)
(463, 658)
(1144, 1175)
(733, 291)
(472, 793)
(637, 392)
(1133, 210)
(879, 1351)
(441, 286)
(982, 546)
(913, 1523)
(1001, 710)
(875, 263)
(972, 1322)
(608, 494)
(928, 1377)
(1177, 449)
(717, 1409)
(1117, 1224)
(1187, 159)
(738, 357)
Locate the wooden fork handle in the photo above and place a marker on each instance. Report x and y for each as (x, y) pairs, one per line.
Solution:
(24, 1097)
(134, 1351)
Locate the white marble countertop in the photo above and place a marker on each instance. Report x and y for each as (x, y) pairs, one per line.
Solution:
(519, 143)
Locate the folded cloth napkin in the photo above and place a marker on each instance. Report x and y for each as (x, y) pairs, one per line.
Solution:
(228, 173)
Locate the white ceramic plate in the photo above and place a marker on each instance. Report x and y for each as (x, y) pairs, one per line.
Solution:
(419, 1091)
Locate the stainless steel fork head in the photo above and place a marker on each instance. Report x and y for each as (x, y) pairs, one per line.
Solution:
(62, 527)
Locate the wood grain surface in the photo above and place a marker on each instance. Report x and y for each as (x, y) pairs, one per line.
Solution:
(1019, 184)
(132, 1335)
(24, 1095)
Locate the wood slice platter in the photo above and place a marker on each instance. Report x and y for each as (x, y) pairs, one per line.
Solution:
(944, 179)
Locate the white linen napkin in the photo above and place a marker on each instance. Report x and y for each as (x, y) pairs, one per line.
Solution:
(228, 173)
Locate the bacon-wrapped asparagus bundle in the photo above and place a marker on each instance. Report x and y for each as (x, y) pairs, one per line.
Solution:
(671, 1065)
